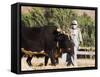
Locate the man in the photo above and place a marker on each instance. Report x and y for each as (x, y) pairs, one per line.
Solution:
(76, 38)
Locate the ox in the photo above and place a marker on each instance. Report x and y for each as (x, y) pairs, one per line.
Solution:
(39, 39)
(46, 39)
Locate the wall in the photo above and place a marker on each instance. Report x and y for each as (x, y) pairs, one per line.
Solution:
(5, 42)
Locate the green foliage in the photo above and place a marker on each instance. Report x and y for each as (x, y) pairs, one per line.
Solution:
(87, 26)
(61, 18)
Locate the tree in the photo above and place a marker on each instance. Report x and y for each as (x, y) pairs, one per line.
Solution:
(61, 18)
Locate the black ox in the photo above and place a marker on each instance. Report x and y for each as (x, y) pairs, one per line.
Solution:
(46, 39)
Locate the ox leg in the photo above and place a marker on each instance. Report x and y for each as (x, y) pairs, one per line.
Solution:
(53, 61)
(57, 54)
(57, 61)
(29, 61)
(46, 60)
(52, 58)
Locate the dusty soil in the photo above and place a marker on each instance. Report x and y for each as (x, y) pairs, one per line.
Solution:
(38, 64)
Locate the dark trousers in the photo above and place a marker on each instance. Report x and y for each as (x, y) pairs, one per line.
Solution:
(68, 59)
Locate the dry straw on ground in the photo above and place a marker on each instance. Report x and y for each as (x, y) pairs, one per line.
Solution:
(38, 64)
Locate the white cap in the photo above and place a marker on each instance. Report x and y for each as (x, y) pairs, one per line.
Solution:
(74, 22)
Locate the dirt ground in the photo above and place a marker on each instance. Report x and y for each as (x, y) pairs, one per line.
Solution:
(38, 64)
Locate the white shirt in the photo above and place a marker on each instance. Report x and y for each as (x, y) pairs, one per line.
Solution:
(76, 36)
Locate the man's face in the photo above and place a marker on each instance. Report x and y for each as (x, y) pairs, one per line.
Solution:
(74, 26)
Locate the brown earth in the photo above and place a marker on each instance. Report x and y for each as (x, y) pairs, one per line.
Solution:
(38, 64)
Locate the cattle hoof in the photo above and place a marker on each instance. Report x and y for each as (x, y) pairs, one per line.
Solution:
(68, 64)
(53, 64)
(29, 64)
(45, 64)
(41, 64)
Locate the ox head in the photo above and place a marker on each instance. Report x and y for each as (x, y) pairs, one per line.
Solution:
(65, 44)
